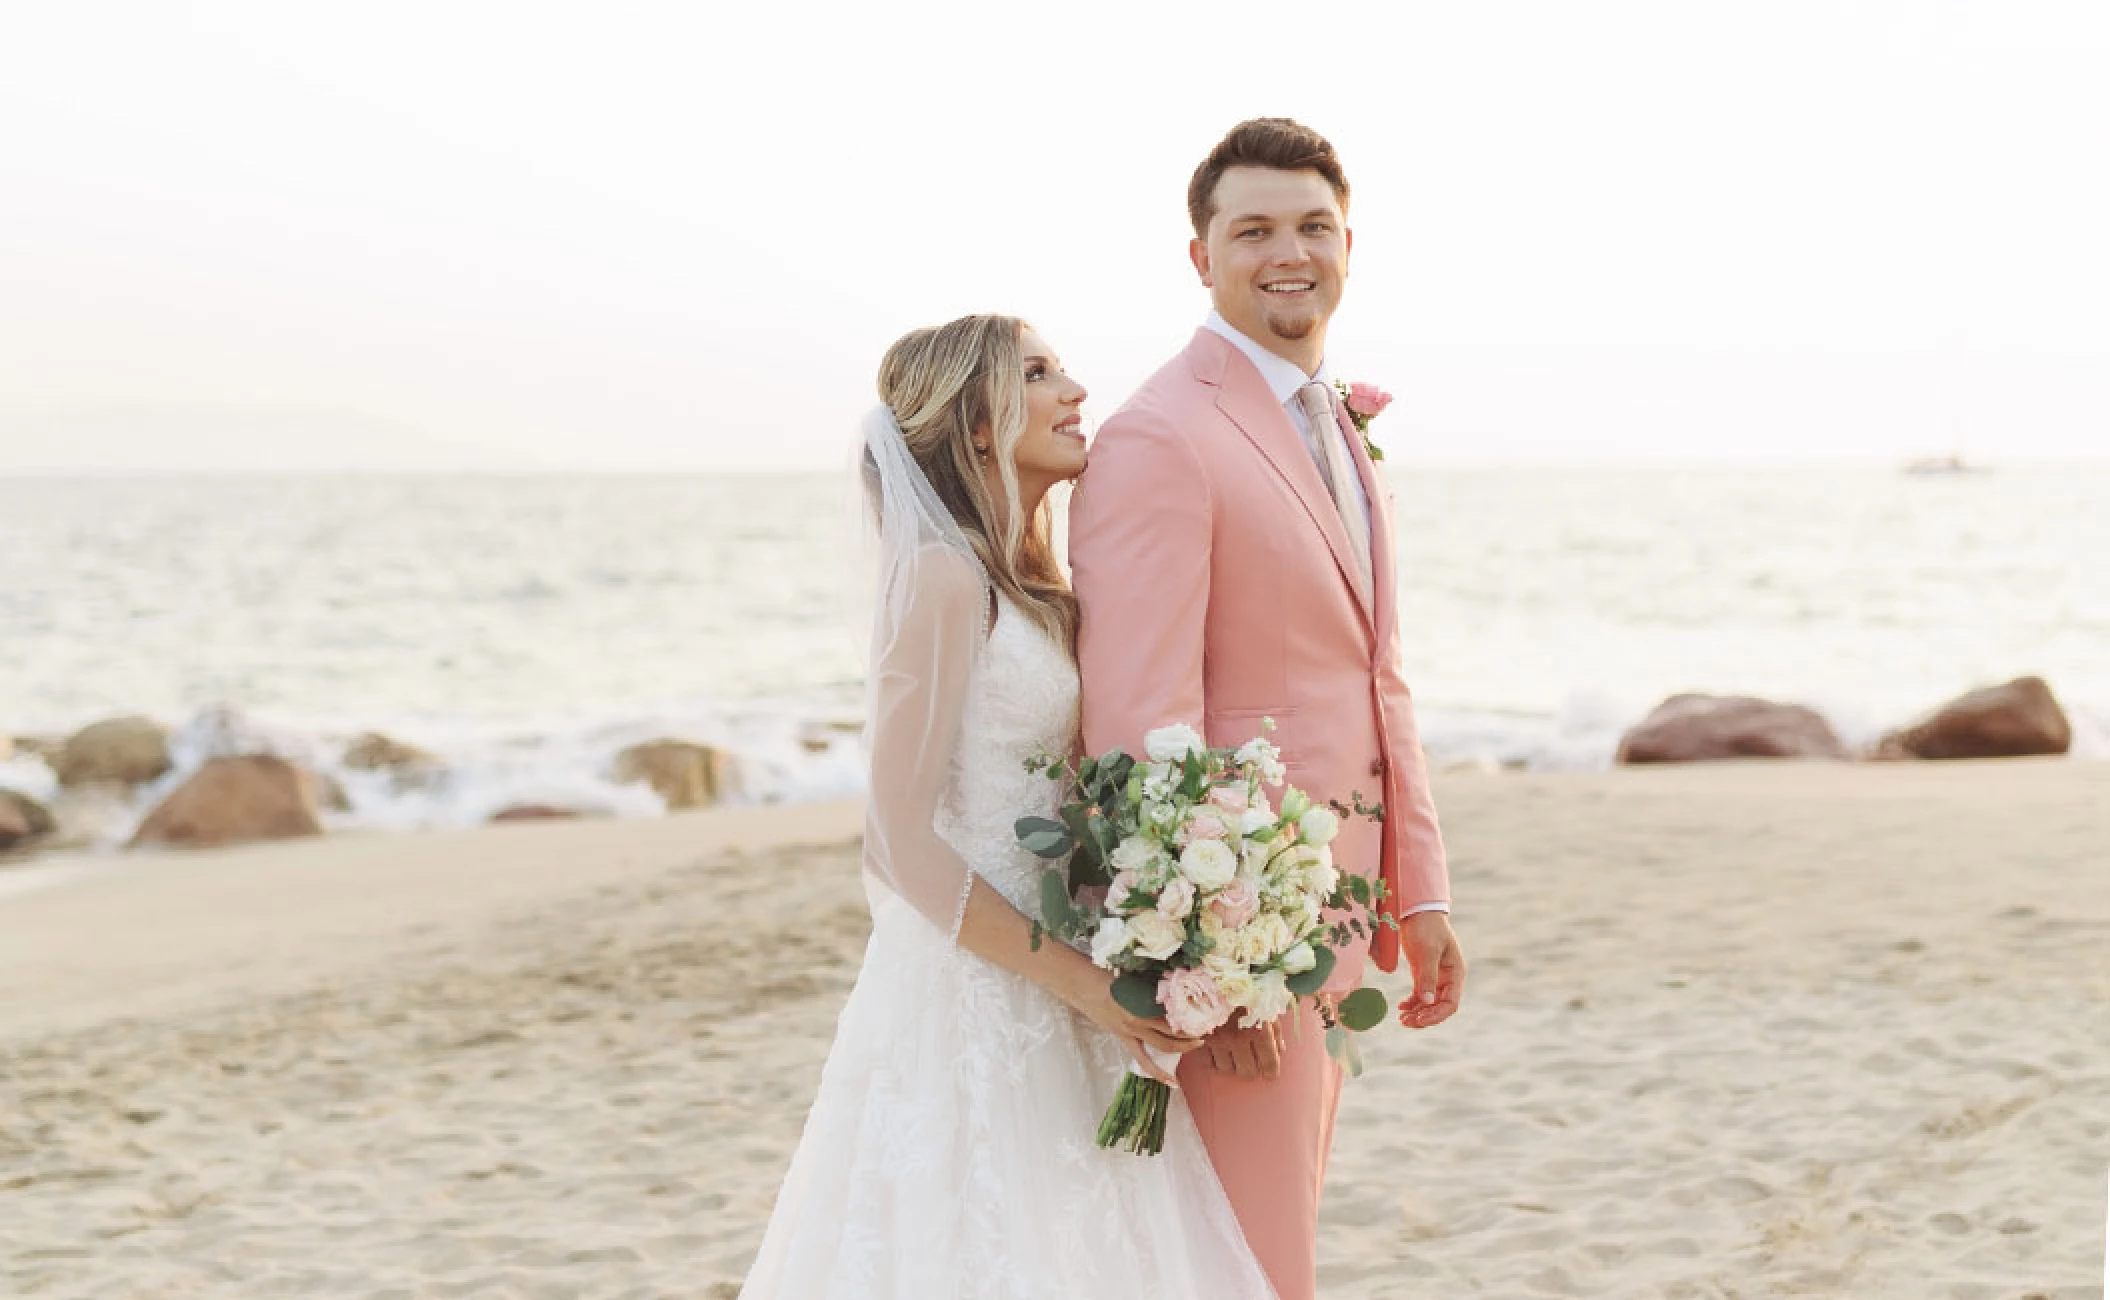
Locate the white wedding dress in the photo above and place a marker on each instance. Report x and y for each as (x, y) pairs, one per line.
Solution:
(949, 1154)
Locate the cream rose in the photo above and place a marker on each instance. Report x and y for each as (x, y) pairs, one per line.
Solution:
(1156, 937)
(1176, 900)
(1210, 864)
(1298, 959)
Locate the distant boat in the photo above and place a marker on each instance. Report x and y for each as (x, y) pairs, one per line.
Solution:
(1950, 464)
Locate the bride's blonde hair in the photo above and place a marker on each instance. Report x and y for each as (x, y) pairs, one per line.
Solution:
(944, 384)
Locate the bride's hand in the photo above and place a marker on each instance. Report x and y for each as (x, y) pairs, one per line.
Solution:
(1096, 1003)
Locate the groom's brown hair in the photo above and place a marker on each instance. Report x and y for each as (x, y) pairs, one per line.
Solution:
(1276, 142)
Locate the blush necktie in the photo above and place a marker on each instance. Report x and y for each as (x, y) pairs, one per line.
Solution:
(1322, 438)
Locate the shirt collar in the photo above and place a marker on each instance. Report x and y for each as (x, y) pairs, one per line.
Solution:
(1283, 378)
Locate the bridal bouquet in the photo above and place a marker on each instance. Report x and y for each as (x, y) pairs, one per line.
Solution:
(1207, 899)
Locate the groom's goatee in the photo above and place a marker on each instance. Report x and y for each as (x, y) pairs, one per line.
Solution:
(1292, 328)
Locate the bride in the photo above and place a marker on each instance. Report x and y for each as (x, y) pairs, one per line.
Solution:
(950, 1153)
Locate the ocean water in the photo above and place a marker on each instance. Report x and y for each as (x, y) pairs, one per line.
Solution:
(527, 628)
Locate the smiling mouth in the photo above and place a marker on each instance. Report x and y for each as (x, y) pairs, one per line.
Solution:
(1071, 428)
(1287, 288)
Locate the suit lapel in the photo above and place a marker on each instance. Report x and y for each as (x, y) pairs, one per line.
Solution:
(1246, 401)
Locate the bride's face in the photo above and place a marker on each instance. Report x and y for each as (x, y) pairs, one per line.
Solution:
(1052, 447)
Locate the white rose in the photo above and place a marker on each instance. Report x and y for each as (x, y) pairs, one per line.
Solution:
(1109, 939)
(1176, 899)
(1271, 930)
(1270, 998)
(1157, 937)
(1259, 750)
(1210, 864)
(1324, 876)
(1132, 854)
(1172, 744)
(1298, 959)
(1318, 826)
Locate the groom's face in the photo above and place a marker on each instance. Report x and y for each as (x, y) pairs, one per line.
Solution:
(1275, 255)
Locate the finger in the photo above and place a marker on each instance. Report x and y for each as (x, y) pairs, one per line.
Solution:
(1166, 1042)
(1248, 1064)
(1220, 1060)
(1267, 1052)
(1149, 1067)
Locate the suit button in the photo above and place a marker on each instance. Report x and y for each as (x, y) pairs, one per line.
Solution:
(1377, 765)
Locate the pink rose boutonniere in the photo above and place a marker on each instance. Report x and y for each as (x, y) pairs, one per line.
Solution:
(1365, 402)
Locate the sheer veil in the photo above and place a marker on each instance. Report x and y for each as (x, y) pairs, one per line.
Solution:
(930, 607)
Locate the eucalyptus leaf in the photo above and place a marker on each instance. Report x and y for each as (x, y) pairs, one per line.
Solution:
(1340, 1045)
(1047, 844)
(1138, 996)
(1311, 981)
(1025, 826)
(1055, 905)
(1363, 1009)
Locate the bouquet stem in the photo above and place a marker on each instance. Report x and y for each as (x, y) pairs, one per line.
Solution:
(1136, 1120)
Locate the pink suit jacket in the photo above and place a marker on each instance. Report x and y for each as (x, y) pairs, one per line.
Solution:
(1218, 588)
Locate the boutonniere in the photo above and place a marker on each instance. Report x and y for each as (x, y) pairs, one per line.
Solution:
(1365, 402)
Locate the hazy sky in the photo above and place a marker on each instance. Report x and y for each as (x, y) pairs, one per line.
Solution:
(441, 235)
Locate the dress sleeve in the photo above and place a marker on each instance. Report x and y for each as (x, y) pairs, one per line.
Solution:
(917, 694)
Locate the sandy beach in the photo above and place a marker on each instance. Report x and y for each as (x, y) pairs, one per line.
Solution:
(1733, 1031)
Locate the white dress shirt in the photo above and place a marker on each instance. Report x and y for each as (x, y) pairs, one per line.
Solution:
(1283, 379)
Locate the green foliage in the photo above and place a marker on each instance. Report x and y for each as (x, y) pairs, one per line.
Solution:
(1041, 837)
(1138, 996)
(1363, 1009)
(1311, 981)
(1056, 909)
(1340, 1045)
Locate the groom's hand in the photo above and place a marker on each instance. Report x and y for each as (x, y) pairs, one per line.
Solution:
(1254, 1053)
(1438, 964)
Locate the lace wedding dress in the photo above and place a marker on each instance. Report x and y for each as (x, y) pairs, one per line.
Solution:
(949, 1154)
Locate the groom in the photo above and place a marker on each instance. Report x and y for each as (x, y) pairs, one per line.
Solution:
(1231, 547)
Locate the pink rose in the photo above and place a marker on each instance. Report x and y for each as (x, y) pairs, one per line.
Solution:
(1230, 798)
(1193, 1004)
(1368, 400)
(1236, 903)
(1176, 899)
(1202, 825)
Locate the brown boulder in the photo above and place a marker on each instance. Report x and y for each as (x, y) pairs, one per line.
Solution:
(535, 812)
(117, 751)
(685, 775)
(373, 752)
(22, 819)
(232, 800)
(1697, 728)
(2008, 721)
